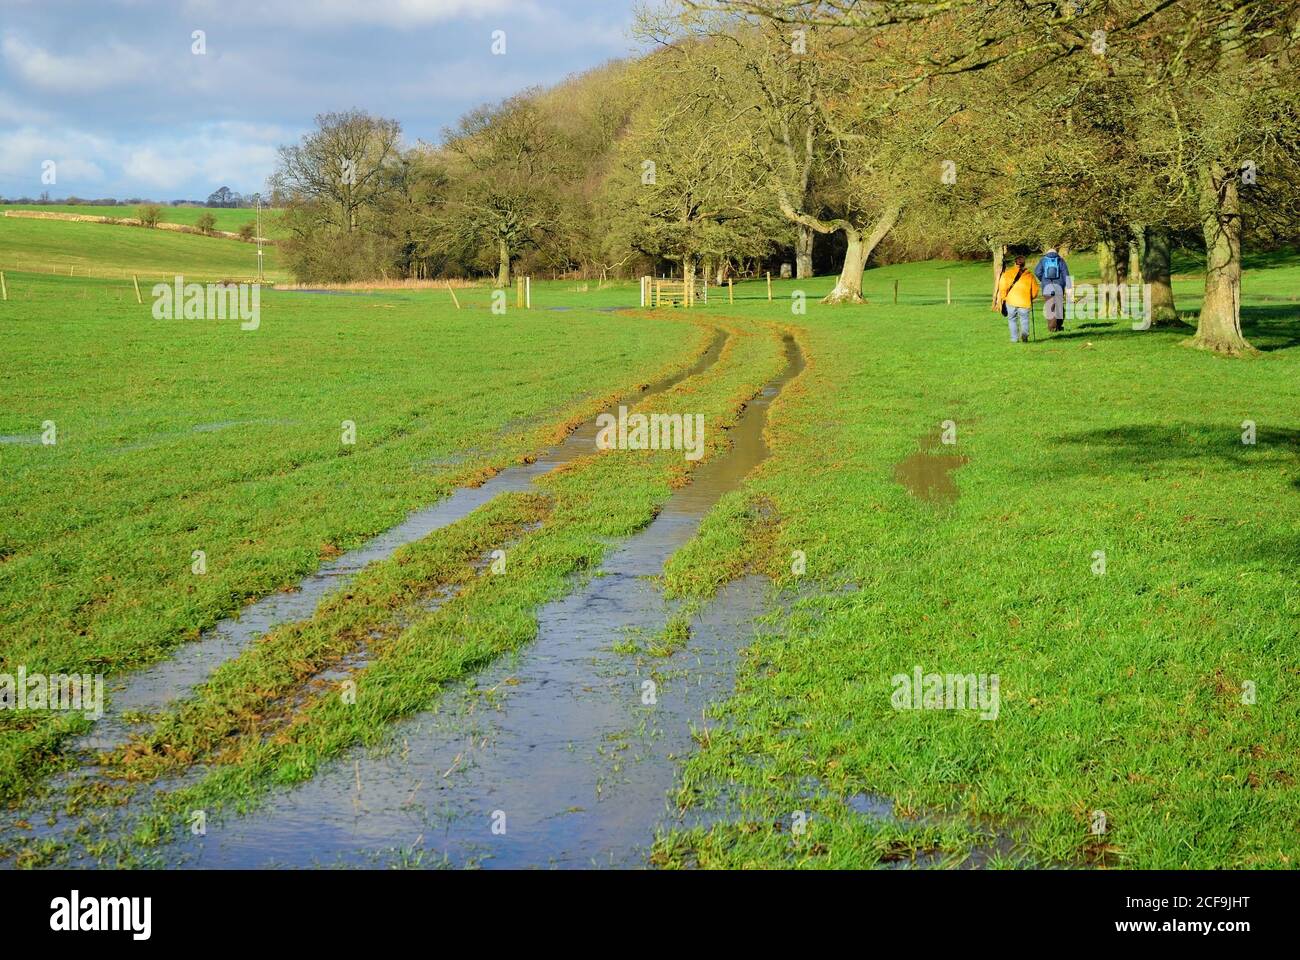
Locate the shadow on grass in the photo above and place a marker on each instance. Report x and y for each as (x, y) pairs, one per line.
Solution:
(1119, 328)
(1269, 327)
(1139, 447)
(1272, 327)
(1268, 261)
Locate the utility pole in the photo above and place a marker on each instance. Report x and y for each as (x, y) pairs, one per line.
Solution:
(257, 228)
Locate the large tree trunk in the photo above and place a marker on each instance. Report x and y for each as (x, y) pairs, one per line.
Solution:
(1136, 242)
(1156, 267)
(1108, 269)
(803, 251)
(688, 274)
(1220, 206)
(503, 269)
(848, 288)
(999, 262)
(1120, 253)
(1106, 262)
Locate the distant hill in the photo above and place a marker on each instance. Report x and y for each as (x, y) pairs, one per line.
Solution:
(99, 250)
(229, 220)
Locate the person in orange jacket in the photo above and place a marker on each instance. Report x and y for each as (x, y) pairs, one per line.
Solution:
(1017, 289)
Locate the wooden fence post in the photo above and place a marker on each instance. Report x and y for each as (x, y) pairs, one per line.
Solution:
(895, 291)
(950, 291)
(454, 298)
(769, 286)
(4, 291)
(731, 292)
(136, 280)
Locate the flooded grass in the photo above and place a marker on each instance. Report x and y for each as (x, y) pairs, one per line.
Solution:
(98, 540)
(504, 722)
(495, 609)
(562, 755)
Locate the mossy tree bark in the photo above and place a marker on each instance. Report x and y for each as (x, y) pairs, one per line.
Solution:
(1156, 271)
(1219, 328)
(1136, 251)
(503, 264)
(803, 251)
(999, 262)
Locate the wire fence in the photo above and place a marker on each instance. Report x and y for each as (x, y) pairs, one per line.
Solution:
(92, 271)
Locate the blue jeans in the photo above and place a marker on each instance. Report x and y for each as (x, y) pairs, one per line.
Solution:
(1020, 314)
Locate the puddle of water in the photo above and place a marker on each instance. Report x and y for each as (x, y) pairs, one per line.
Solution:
(151, 441)
(927, 473)
(152, 689)
(554, 745)
(871, 805)
(47, 828)
(556, 739)
(221, 425)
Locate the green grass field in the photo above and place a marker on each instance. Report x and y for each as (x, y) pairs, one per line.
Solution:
(1121, 692)
(101, 250)
(229, 220)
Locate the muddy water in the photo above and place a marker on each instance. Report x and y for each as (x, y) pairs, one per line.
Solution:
(927, 473)
(553, 757)
(150, 690)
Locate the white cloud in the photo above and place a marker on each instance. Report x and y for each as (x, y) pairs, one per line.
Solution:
(329, 13)
(238, 155)
(229, 154)
(461, 81)
(19, 113)
(113, 65)
(75, 155)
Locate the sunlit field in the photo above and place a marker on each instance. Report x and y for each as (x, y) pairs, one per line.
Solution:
(1097, 535)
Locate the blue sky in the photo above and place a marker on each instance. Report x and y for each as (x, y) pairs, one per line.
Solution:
(113, 93)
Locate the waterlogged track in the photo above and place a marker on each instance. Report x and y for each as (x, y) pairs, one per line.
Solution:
(152, 689)
(157, 688)
(562, 756)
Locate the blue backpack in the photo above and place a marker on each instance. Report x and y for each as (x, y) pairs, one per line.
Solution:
(1051, 267)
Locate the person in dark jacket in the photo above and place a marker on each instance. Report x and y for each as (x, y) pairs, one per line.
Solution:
(1053, 276)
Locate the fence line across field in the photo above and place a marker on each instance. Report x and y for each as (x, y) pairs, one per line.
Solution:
(654, 291)
(81, 270)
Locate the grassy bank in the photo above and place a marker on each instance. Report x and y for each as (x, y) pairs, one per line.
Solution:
(1161, 694)
(229, 220)
(67, 248)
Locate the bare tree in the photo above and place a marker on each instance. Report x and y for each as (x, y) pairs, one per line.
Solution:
(339, 167)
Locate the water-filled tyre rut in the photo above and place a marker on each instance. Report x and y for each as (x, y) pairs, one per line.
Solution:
(563, 755)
